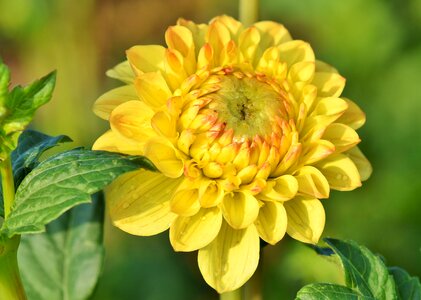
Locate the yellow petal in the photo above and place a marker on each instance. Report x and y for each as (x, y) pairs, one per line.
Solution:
(317, 151)
(354, 117)
(324, 67)
(122, 72)
(233, 26)
(198, 32)
(272, 34)
(301, 72)
(361, 162)
(153, 89)
(114, 142)
(272, 222)
(195, 232)
(340, 172)
(342, 136)
(218, 37)
(240, 209)
(180, 38)
(144, 59)
(312, 182)
(105, 104)
(231, 259)
(164, 124)
(164, 156)
(328, 84)
(132, 120)
(282, 188)
(248, 41)
(185, 202)
(306, 219)
(210, 193)
(138, 202)
(295, 51)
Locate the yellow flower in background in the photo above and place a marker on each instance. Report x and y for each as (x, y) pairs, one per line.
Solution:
(248, 131)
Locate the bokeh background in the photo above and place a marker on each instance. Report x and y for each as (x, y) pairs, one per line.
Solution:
(375, 44)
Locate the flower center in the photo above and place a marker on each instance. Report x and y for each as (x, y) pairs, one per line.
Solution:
(247, 105)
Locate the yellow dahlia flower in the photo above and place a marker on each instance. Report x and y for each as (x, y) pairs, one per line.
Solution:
(248, 131)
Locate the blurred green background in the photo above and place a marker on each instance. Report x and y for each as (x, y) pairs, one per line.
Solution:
(375, 44)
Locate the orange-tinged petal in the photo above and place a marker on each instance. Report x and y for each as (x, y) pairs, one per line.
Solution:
(114, 142)
(312, 182)
(153, 89)
(105, 104)
(144, 59)
(342, 136)
(328, 84)
(354, 117)
(361, 162)
(306, 219)
(165, 157)
(123, 72)
(272, 222)
(132, 120)
(240, 209)
(231, 259)
(340, 172)
(138, 202)
(295, 51)
(317, 151)
(195, 232)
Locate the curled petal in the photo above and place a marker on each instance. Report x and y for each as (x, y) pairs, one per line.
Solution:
(354, 117)
(272, 222)
(165, 157)
(138, 202)
(153, 89)
(105, 104)
(195, 232)
(306, 219)
(312, 182)
(114, 142)
(328, 84)
(231, 259)
(340, 172)
(240, 209)
(295, 51)
(342, 136)
(122, 72)
(132, 120)
(282, 188)
(361, 162)
(144, 59)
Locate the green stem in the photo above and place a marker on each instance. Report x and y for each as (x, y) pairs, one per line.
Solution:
(249, 11)
(8, 185)
(11, 287)
(233, 295)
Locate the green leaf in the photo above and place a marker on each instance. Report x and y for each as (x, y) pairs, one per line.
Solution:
(65, 261)
(407, 287)
(63, 181)
(25, 157)
(22, 102)
(326, 291)
(364, 271)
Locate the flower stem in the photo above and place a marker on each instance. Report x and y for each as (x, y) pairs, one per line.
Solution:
(8, 185)
(11, 287)
(249, 11)
(233, 295)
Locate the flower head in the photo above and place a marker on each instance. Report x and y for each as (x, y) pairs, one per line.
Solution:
(248, 131)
